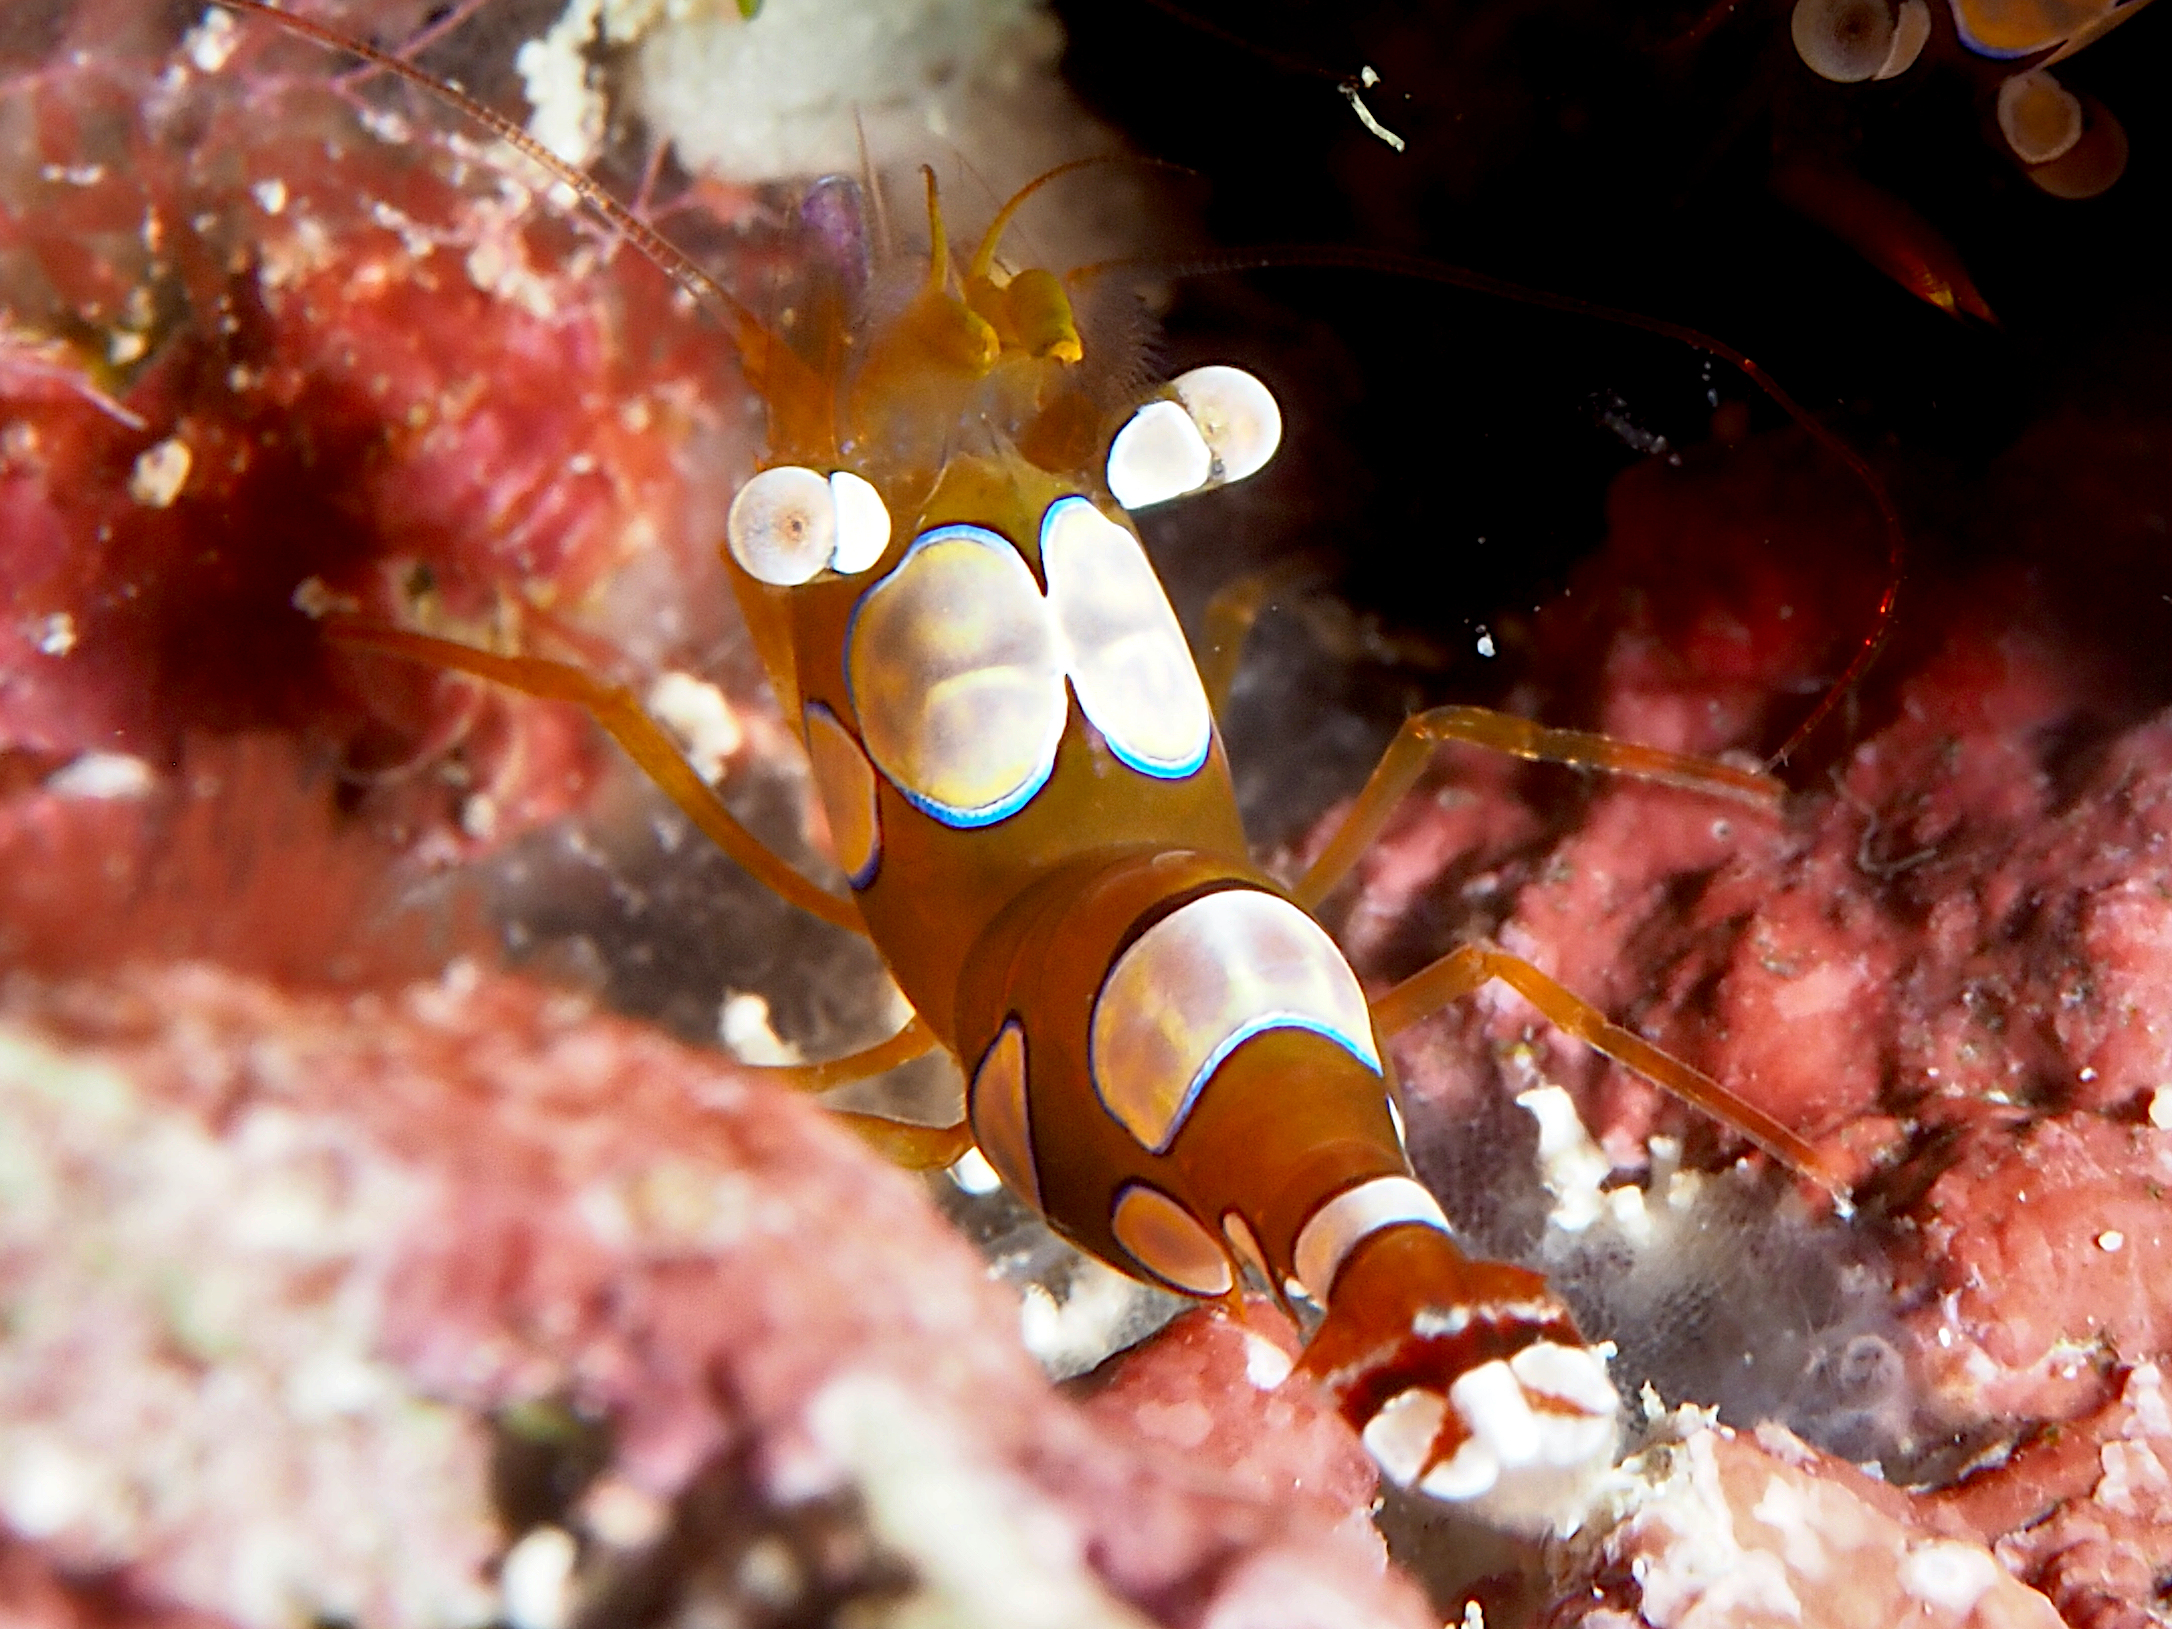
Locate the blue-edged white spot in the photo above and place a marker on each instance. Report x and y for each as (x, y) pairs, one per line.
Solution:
(1001, 1114)
(846, 782)
(1200, 982)
(1169, 1242)
(1129, 664)
(955, 666)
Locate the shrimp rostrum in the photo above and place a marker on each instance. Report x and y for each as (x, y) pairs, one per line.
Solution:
(1167, 1056)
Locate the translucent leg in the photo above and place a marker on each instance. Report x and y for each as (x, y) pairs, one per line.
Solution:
(644, 739)
(1228, 622)
(1406, 757)
(915, 1040)
(916, 1148)
(1463, 970)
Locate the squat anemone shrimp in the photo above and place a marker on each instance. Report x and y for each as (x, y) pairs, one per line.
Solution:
(2068, 146)
(1168, 1055)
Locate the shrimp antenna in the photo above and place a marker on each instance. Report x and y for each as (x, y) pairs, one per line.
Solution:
(1436, 271)
(668, 258)
(983, 260)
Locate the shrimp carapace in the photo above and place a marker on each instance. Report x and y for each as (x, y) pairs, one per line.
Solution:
(1166, 1054)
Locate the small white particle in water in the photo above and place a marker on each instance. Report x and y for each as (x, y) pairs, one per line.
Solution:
(2111, 1240)
(315, 599)
(1474, 1615)
(44, 1488)
(701, 719)
(536, 1580)
(102, 775)
(2087, 1075)
(271, 195)
(55, 635)
(212, 40)
(1485, 643)
(742, 1024)
(973, 1174)
(622, 1515)
(125, 346)
(771, 1573)
(479, 817)
(1954, 1576)
(1266, 1365)
(561, 85)
(160, 473)
(2160, 1108)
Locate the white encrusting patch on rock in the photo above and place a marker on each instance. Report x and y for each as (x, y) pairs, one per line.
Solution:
(103, 777)
(536, 1579)
(700, 719)
(1266, 1365)
(985, 1548)
(1950, 1576)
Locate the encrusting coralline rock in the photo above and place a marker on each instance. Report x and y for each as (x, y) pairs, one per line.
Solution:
(1945, 961)
(348, 1276)
(276, 1263)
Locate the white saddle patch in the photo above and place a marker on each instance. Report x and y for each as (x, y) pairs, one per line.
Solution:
(1542, 1430)
(1199, 982)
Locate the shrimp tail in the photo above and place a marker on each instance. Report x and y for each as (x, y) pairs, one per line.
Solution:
(1468, 1381)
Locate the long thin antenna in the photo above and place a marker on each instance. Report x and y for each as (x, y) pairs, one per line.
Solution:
(667, 256)
(1435, 271)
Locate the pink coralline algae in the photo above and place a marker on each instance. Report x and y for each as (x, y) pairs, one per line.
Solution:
(1751, 1531)
(347, 1277)
(274, 1263)
(250, 382)
(1945, 960)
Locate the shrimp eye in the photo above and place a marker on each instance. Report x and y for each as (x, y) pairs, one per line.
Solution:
(1236, 414)
(863, 524)
(1853, 40)
(1222, 427)
(788, 524)
(2039, 117)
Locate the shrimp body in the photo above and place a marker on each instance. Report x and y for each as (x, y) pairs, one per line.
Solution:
(1167, 1056)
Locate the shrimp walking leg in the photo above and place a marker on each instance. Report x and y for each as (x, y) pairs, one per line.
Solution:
(1467, 967)
(1228, 619)
(915, 1040)
(644, 740)
(915, 1148)
(1407, 755)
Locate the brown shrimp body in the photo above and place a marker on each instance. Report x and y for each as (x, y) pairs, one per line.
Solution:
(1050, 873)
(1166, 1054)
